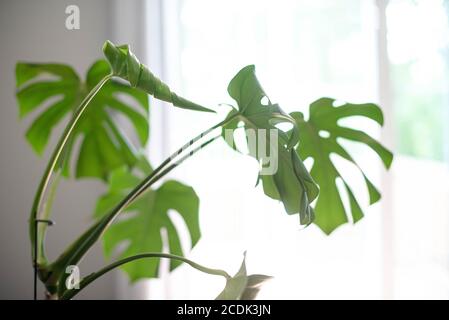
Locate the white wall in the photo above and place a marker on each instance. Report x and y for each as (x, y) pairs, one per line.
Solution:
(35, 31)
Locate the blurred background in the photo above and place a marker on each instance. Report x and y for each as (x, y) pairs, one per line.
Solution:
(392, 52)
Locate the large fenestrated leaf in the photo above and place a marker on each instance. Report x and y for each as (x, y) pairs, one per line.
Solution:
(103, 147)
(126, 65)
(243, 286)
(140, 230)
(324, 116)
(290, 183)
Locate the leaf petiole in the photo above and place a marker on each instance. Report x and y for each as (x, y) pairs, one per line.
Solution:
(38, 204)
(92, 277)
(77, 249)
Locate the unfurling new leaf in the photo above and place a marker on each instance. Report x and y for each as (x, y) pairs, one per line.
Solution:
(126, 65)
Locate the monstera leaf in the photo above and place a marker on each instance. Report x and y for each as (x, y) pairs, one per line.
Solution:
(242, 286)
(290, 182)
(324, 117)
(103, 146)
(126, 65)
(140, 231)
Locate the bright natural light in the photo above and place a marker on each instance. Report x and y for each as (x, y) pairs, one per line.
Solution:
(339, 61)
(98, 95)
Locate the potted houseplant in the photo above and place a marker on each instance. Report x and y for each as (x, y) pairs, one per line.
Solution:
(105, 153)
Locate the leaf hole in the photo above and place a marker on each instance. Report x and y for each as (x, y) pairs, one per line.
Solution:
(308, 163)
(344, 198)
(352, 176)
(324, 134)
(284, 126)
(265, 101)
(240, 140)
(182, 230)
(338, 103)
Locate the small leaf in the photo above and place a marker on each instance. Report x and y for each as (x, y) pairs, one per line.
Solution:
(141, 231)
(242, 286)
(329, 210)
(103, 146)
(126, 65)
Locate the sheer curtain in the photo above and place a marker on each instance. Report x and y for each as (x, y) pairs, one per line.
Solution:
(394, 53)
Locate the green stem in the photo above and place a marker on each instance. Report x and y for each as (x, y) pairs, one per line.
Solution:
(188, 144)
(46, 211)
(155, 176)
(92, 277)
(78, 249)
(75, 252)
(178, 152)
(150, 180)
(43, 185)
(162, 169)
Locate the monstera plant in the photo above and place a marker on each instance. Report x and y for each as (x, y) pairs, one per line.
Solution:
(93, 145)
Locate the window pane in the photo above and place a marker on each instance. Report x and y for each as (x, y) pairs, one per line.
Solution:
(302, 50)
(418, 37)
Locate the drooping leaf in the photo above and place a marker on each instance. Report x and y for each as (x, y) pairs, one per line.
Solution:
(242, 286)
(324, 116)
(126, 65)
(103, 147)
(140, 230)
(290, 182)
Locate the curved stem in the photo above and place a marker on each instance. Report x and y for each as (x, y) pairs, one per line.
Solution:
(157, 174)
(40, 257)
(75, 252)
(92, 277)
(154, 176)
(178, 152)
(188, 144)
(150, 180)
(78, 249)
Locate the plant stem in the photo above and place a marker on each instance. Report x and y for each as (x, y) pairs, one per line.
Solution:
(75, 252)
(40, 257)
(150, 180)
(181, 150)
(78, 248)
(188, 144)
(92, 277)
(155, 176)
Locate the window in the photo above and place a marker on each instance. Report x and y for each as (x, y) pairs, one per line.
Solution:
(418, 47)
(304, 50)
(418, 34)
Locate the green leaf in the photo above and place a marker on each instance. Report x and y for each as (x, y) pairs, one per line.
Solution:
(290, 183)
(324, 116)
(78, 248)
(126, 65)
(103, 146)
(140, 230)
(242, 286)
